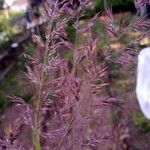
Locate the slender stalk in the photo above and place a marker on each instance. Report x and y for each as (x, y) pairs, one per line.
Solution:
(75, 55)
(88, 128)
(127, 28)
(74, 72)
(36, 132)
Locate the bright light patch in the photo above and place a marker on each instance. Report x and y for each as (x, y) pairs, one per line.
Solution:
(143, 81)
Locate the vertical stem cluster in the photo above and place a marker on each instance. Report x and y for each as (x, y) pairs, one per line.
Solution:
(36, 133)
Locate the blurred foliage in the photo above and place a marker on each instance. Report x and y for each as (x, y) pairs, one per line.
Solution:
(97, 27)
(89, 12)
(7, 29)
(14, 83)
(1, 4)
(29, 48)
(116, 115)
(141, 122)
(5, 18)
(71, 31)
(14, 14)
(99, 4)
(2, 103)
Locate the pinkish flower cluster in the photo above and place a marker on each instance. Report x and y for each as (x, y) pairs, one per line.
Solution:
(66, 107)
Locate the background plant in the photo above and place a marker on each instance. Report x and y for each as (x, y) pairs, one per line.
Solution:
(60, 115)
